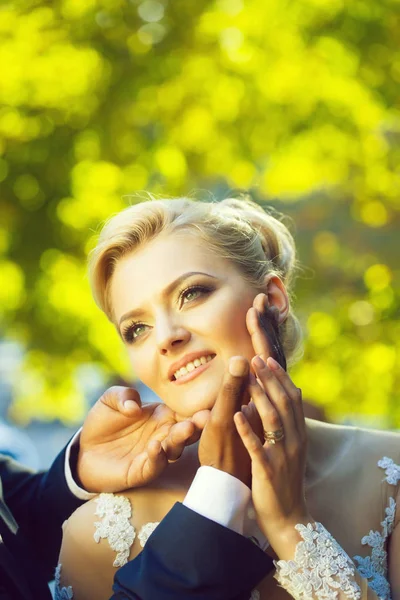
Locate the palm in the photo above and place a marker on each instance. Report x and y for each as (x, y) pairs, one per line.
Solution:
(114, 445)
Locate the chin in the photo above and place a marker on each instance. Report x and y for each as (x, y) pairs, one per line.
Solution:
(189, 409)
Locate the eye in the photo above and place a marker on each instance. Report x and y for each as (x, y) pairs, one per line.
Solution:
(193, 292)
(132, 332)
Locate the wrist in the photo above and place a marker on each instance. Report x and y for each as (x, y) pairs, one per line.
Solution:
(285, 538)
(83, 474)
(71, 470)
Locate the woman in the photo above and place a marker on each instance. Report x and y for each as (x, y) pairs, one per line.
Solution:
(178, 280)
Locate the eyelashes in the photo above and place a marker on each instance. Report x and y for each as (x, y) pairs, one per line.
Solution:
(128, 332)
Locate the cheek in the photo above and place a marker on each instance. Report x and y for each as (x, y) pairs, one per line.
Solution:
(141, 368)
(228, 328)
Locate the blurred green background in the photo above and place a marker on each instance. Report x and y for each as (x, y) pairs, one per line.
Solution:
(296, 101)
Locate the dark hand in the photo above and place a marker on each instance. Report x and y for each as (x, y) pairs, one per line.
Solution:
(220, 444)
(124, 445)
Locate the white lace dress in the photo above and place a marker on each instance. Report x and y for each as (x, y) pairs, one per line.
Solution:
(320, 569)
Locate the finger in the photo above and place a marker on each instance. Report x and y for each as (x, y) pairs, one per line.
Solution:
(200, 418)
(195, 437)
(233, 391)
(258, 336)
(153, 450)
(250, 440)
(262, 305)
(278, 398)
(292, 391)
(263, 325)
(254, 419)
(124, 400)
(177, 439)
(270, 418)
(150, 463)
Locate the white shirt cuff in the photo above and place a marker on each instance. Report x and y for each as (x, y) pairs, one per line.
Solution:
(219, 497)
(73, 486)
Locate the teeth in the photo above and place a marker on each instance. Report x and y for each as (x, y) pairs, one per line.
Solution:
(191, 366)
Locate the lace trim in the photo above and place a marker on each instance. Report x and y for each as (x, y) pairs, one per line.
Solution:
(391, 469)
(375, 567)
(321, 568)
(146, 532)
(115, 527)
(61, 593)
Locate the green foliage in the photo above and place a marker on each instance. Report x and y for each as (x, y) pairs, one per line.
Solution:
(297, 101)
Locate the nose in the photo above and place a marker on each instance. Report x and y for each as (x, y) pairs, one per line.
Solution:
(170, 334)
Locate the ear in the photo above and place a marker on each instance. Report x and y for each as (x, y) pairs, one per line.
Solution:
(277, 297)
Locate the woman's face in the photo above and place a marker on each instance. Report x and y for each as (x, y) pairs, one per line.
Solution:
(181, 313)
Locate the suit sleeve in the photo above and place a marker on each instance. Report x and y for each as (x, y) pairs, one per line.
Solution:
(189, 555)
(39, 503)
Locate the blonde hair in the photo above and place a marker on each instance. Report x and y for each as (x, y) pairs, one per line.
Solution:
(237, 229)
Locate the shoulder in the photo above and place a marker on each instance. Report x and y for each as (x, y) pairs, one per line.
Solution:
(363, 460)
(365, 444)
(106, 532)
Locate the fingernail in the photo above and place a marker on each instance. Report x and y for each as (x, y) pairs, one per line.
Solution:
(129, 404)
(237, 366)
(272, 363)
(241, 418)
(258, 362)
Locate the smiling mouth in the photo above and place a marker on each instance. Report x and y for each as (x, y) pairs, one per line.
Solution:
(193, 371)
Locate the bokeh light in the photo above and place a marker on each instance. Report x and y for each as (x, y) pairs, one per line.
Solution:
(102, 99)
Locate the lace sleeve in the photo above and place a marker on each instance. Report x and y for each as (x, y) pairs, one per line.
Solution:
(321, 569)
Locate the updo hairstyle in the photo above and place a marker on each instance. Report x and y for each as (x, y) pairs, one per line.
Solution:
(236, 229)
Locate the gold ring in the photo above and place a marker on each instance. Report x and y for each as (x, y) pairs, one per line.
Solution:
(274, 436)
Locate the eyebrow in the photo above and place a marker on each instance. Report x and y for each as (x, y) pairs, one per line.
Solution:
(166, 292)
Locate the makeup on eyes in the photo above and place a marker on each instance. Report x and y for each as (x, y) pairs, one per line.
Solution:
(128, 331)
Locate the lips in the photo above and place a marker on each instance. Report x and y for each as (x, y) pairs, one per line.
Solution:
(188, 377)
(190, 357)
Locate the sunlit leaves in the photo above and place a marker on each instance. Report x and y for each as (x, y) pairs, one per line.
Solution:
(298, 101)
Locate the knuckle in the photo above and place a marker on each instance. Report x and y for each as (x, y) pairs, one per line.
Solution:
(284, 403)
(231, 388)
(273, 420)
(218, 425)
(113, 389)
(215, 423)
(253, 446)
(110, 393)
(293, 451)
(266, 374)
(279, 463)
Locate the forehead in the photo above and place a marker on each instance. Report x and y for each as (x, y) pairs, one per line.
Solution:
(144, 273)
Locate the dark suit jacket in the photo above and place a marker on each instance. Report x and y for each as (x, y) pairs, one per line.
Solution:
(190, 557)
(33, 508)
(187, 556)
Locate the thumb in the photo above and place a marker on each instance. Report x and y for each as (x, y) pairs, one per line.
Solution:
(200, 418)
(124, 400)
